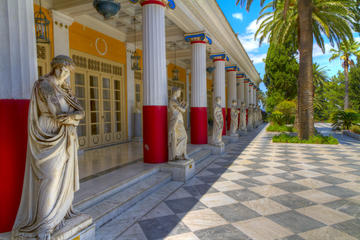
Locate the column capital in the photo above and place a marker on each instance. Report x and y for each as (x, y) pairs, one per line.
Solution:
(165, 3)
(61, 19)
(246, 80)
(240, 75)
(219, 57)
(233, 68)
(199, 37)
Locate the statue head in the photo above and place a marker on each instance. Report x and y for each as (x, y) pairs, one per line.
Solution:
(218, 100)
(242, 104)
(61, 66)
(176, 92)
(234, 103)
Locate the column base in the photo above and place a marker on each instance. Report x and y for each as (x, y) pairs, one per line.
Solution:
(155, 136)
(228, 119)
(13, 146)
(224, 117)
(198, 121)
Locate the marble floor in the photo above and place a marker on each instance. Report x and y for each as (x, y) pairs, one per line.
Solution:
(102, 160)
(265, 191)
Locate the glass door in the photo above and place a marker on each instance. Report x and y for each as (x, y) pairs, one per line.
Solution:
(117, 110)
(94, 98)
(79, 85)
(106, 121)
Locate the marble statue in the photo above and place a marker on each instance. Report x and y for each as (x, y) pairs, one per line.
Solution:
(137, 122)
(243, 117)
(218, 123)
(177, 132)
(51, 172)
(234, 119)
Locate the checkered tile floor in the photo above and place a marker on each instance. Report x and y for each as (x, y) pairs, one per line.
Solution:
(265, 191)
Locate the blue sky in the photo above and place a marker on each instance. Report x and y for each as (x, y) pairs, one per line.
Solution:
(244, 23)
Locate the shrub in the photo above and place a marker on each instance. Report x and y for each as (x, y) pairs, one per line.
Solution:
(355, 129)
(277, 118)
(288, 108)
(278, 128)
(344, 119)
(316, 139)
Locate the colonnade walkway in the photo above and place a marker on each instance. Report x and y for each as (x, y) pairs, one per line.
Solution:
(259, 190)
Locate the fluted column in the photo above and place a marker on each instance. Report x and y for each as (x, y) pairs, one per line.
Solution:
(155, 83)
(18, 72)
(198, 111)
(240, 91)
(232, 91)
(219, 82)
(246, 97)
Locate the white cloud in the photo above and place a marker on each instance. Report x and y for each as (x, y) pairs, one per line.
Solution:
(238, 16)
(257, 58)
(247, 39)
(318, 52)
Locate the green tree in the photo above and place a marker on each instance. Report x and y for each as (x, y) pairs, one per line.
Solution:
(281, 70)
(307, 20)
(345, 51)
(320, 79)
(354, 86)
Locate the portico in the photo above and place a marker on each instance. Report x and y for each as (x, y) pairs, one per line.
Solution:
(104, 81)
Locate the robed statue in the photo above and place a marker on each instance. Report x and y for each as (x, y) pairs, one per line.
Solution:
(51, 171)
(218, 123)
(177, 132)
(250, 117)
(243, 117)
(234, 119)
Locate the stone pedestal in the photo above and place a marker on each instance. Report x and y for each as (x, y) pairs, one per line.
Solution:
(137, 127)
(76, 228)
(182, 170)
(217, 149)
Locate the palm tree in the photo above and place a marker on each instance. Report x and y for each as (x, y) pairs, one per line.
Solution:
(304, 21)
(345, 51)
(320, 78)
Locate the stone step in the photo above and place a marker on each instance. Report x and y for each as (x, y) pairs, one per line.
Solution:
(117, 226)
(201, 155)
(112, 206)
(84, 201)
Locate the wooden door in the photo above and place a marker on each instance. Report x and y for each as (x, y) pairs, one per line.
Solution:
(94, 110)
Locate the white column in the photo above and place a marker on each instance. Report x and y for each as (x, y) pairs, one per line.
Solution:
(61, 24)
(241, 86)
(18, 60)
(188, 98)
(198, 75)
(232, 88)
(154, 55)
(251, 91)
(219, 80)
(246, 93)
(130, 48)
(155, 100)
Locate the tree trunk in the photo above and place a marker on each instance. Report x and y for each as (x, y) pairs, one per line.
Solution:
(346, 74)
(305, 80)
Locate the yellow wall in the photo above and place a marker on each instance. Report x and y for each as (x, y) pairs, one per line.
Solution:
(51, 30)
(83, 39)
(182, 72)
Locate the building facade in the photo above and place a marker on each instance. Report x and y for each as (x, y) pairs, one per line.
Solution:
(190, 46)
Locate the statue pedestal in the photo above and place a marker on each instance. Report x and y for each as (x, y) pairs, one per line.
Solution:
(181, 170)
(217, 149)
(79, 227)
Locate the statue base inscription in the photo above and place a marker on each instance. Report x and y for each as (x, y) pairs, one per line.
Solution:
(76, 228)
(181, 170)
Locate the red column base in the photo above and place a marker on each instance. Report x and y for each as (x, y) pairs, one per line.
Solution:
(155, 134)
(224, 117)
(13, 144)
(239, 118)
(198, 121)
(247, 117)
(228, 118)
